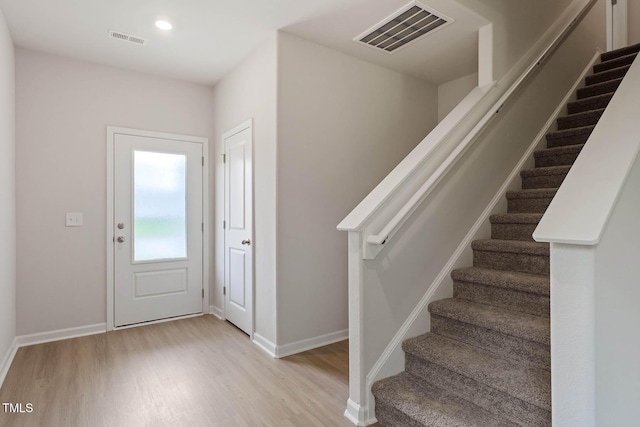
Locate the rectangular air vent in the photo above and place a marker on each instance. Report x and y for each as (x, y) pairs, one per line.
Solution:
(403, 27)
(127, 37)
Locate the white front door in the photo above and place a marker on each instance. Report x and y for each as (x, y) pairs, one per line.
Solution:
(157, 228)
(239, 228)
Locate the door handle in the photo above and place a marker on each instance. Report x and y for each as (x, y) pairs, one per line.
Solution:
(246, 242)
(120, 239)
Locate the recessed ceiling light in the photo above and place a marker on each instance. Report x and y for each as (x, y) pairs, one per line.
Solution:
(164, 25)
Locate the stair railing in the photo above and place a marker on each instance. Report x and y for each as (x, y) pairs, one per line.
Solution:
(384, 212)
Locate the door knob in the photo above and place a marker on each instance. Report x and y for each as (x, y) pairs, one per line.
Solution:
(120, 239)
(246, 242)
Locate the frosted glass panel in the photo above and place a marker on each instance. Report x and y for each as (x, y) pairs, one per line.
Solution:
(160, 206)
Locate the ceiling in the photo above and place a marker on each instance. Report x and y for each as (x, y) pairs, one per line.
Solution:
(210, 37)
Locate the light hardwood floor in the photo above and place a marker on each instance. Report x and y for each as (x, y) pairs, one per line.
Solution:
(192, 372)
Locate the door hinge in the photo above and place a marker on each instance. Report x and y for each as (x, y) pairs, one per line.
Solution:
(202, 293)
(614, 2)
(224, 224)
(224, 158)
(203, 227)
(202, 160)
(224, 290)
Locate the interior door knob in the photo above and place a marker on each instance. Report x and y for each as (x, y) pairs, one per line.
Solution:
(246, 242)
(120, 239)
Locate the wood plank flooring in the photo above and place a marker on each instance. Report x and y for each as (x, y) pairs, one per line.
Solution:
(192, 372)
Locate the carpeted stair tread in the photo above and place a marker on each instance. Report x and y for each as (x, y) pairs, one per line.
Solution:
(508, 322)
(511, 246)
(586, 118)
(551, 170)
(516, 218)
(615, 63)
(599, 88)
(404, 400)
(556, 151)
(590, 103)
(525, 382)
(514, 226)
(534, 193)
(557, 156)
(523, 282)
(608, 56)
(608, 75)
(544, 177)
(572, 136)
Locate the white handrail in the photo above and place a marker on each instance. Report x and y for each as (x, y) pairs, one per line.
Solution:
(389, 230)
(402, 191)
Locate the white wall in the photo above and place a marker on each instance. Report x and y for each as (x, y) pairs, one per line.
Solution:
(250, 92)
(343, 124)
(516, 26)
(7, 194)
(62, 109)
(452, 92)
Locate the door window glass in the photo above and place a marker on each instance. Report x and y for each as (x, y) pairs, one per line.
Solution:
(159, 206)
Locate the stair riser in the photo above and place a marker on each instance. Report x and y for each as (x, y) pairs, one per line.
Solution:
(513, 231)
(525, 302)
(589, 91)
(559, 160)
(616, 63)
(523, 263)
(542, 181)
(493, 400)
(504, 345)
(528, 205)
(389, 416)
(579, 120)
(608, 56)
(588, 104)
(605, 76)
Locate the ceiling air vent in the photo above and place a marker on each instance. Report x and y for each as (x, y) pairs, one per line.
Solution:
(127, 37)
(403, 27)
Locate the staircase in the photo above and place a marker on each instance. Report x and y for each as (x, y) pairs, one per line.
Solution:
(486, 361)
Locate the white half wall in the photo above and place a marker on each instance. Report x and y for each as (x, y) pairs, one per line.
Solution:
(343, 124)
(7, 195)
(452, 92)
(249, 91)
(62, 109)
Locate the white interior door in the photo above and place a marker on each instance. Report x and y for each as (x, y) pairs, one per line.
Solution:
(238, 275)
(157, 228)
(617, 32)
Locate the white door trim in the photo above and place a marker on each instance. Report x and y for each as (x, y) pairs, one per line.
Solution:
(248, 124)
(111, 132)
(617, 35)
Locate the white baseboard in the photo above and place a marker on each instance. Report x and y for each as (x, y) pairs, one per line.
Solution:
(265, 344)
(391, 360)
(7, 360)
(215, 311)
(311, 343)
(61, 334)
(358, 415)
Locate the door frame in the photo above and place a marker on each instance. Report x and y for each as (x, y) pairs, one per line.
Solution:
(621, 27)
(248, 124)
(112, 131)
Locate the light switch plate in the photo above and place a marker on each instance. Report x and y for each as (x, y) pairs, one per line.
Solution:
(74, 219)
